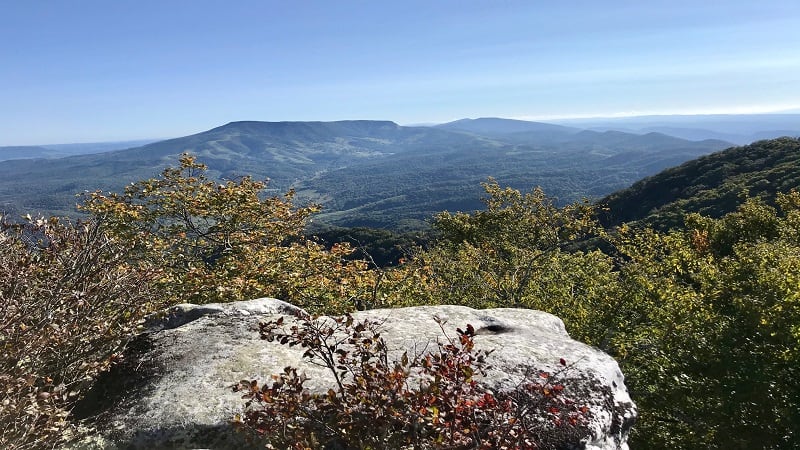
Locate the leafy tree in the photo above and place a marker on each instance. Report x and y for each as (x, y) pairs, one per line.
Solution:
(73, 294)
(707, 332)
(518, 252)
(218, 242)
(513, 220)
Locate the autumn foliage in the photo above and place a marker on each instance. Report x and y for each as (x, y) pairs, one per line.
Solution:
(221, 242)
(432, 400)
(70, 300)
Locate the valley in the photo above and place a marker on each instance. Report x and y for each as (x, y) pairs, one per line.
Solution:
(369, 173)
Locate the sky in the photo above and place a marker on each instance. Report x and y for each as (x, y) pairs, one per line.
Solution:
(90, 71)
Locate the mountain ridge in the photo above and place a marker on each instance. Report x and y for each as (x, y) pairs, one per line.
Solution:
(365, 172)
(496, 125)
(741, 129)
(711, 185)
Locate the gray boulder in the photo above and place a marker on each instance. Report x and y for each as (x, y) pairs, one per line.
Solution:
(174, 388)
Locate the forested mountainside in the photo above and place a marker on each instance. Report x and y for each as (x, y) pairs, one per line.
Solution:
(711, 185)
(402, 191)
(26, 151)
(373, 173)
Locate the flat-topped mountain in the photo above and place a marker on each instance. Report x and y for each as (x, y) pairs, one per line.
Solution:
(497, 126)
(368, 172)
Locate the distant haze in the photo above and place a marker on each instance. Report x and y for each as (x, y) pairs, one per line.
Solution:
(62, 150)
(736, 128)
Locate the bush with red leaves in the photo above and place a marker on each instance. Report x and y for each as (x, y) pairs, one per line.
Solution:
(427, 401)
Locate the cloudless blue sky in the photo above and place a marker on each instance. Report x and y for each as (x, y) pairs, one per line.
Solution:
(97, 70)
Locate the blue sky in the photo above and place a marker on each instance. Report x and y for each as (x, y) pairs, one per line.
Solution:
(80, 70)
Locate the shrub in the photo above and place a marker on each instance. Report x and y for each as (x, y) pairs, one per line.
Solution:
(431, 400)
(69, 302)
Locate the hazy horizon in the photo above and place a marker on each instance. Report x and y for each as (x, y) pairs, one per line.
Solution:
(556, 120)
(96, 71)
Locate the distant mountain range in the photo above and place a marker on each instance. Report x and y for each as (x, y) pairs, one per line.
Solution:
(736, 128)
(373, 173)
(62, 150)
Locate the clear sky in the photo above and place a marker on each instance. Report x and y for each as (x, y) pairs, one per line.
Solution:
(84, 70)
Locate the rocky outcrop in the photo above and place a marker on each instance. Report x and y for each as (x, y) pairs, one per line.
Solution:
(174, 388)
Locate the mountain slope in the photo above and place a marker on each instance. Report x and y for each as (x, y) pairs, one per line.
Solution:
(366, 172)
(711, 185)
(414, 186)
(25, 151)
(284, 152)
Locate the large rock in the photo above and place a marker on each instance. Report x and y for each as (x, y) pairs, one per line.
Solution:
(174, 388)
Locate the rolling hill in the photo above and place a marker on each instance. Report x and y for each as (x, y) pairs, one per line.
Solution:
(62, 150)
(374, 173)
(26, 151)
(711, 185)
